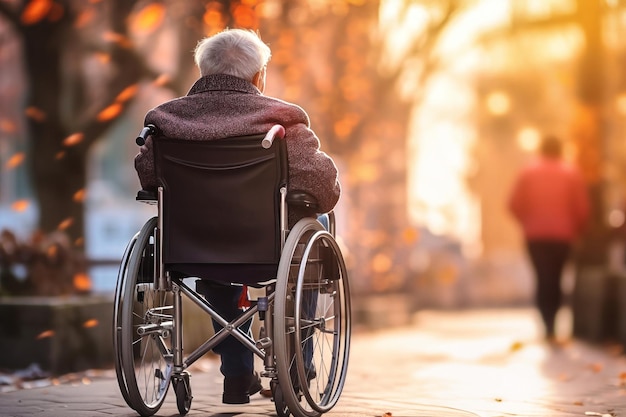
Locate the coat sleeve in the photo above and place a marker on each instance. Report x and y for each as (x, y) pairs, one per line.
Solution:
(310, 169)
(144, 165)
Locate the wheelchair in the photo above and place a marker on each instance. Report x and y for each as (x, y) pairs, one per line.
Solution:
(222, 216)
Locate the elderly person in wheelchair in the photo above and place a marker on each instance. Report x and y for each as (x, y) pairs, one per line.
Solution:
(227, 101)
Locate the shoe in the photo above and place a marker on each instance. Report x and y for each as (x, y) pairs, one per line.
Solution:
(237, 389)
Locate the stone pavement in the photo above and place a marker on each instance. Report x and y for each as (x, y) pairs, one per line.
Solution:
(488, 363)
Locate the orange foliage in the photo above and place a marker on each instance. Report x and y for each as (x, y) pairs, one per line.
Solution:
(110, 112)
(128, 93)
(56, 12)
(245, 17)
(15, 160)
(84, 18)
(59, 155)
(8, 126)
(381, 263)
(65, 223)
(82, 282)
(410, 235)
(52, 251)
(20, 205)
(35, 11)
(36, 114)
(79, 196)
(73, 139)
(149, 18)
(213, 19)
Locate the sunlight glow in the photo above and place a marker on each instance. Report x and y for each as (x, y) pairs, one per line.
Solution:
(442, 140)
(400, 29)
(498, 103)
(528, 139)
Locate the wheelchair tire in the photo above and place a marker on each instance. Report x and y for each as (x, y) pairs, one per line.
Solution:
(282, 410)
(144, 328)
(312, 320)
(117, 320)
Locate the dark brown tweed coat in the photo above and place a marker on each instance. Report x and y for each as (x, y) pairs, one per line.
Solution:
(219, 106)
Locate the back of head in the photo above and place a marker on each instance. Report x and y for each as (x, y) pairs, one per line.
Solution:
(237, 52)
(551, 147)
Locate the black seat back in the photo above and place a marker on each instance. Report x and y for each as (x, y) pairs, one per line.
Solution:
(221, 206)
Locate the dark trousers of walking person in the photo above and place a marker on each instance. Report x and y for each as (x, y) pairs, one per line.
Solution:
(548, 258)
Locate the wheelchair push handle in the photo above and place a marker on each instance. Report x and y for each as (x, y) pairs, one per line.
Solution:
(145, 132)
(275, 131)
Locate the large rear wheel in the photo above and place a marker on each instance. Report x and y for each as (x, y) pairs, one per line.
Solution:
(312, 320)
(145, 328)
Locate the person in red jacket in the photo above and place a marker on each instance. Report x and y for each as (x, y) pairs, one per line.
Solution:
(550, 201)
(228, 101)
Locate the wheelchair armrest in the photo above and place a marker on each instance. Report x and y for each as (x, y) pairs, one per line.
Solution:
(147, 196)
(302, 199)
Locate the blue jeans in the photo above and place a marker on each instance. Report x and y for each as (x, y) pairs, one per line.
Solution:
(237, 360)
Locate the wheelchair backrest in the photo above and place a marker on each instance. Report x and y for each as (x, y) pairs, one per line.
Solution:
(221, 206)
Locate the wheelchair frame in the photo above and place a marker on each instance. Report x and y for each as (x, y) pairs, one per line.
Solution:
(311, 273)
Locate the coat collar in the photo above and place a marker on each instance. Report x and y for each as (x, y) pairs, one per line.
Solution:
(223, 82)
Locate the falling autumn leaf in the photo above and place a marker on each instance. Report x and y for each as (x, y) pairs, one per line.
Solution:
(79, 241)
(15, 160)
(161, 80)
(45, 334)
(20, 205)
(90, 323)
(596, 367)
(35, 11)
(128, 93)
(59, 155)
(84, 18)
(8, 126)
(73, 139)
(515, 346)
(36, 114)
(82, 282)
(52, 251)
(79, 196)
(65, 223)
(149, 18)
(110, 112)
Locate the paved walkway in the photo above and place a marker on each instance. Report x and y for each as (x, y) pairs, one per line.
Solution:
(487, 363)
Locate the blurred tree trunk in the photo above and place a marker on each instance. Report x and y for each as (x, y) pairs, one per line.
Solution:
(63, 120)
(588, 131)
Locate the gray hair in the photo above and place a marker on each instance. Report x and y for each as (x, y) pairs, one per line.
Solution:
(236, 52)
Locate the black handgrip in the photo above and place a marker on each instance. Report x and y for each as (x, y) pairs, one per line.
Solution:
(145, 132)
